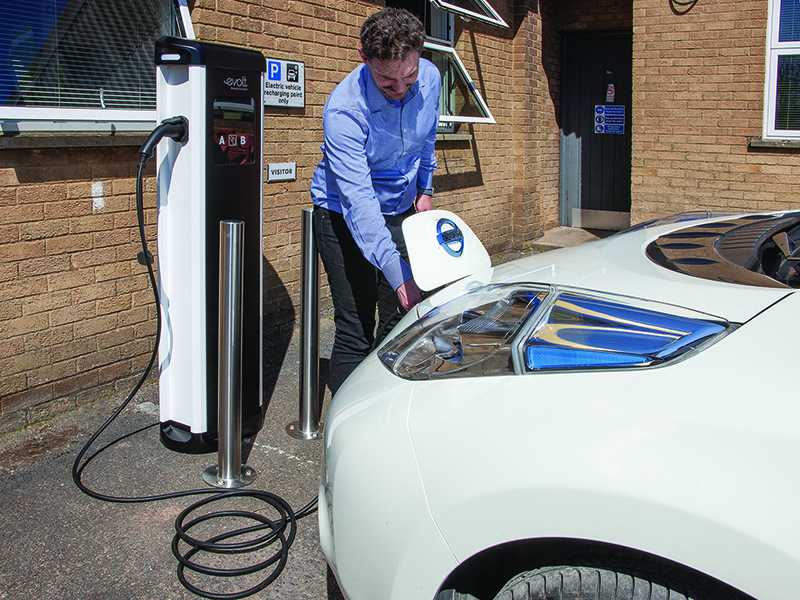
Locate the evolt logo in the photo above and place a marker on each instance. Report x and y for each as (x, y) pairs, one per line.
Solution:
(236, 83)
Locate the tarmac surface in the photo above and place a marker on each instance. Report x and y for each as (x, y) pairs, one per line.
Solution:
(58, 543)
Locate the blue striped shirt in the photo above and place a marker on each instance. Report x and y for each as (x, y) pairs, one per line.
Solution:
(376, 154)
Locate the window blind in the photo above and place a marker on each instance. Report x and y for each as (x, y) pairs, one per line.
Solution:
(87, 54)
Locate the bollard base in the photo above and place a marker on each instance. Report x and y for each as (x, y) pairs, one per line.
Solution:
(293, 429)
(211, 477)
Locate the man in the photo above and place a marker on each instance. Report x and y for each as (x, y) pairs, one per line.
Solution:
(377, 168)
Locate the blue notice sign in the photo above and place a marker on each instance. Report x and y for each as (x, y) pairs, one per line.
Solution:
(609, 118)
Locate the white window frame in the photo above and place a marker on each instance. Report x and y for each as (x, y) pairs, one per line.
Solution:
(487, 15)
(14, 120)
(775, 49)
(461, 71)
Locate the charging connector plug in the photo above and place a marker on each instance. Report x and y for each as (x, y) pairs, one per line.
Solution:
(175, 128)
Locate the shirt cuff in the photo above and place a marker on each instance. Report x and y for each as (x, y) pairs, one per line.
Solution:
(425, 179)
(397, 272)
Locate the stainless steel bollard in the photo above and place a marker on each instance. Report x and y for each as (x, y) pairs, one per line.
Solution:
(308, 426)
(229, 471)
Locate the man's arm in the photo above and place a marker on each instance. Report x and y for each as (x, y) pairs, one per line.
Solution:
(345, 143)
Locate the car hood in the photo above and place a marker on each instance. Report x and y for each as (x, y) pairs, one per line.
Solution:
(684, 264)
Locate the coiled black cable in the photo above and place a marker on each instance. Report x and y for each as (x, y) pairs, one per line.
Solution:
(281, 530)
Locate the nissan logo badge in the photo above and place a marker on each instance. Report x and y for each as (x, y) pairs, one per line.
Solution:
(449, 237)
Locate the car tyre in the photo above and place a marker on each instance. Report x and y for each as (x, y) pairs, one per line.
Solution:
(579, 583)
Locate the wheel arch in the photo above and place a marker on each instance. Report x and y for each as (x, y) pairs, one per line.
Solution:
(484, 574)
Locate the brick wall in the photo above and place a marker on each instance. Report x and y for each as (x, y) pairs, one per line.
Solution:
(698, 98)
(324, 36)
(76, 312)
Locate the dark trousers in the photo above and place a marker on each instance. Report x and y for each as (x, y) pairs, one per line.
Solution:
(356, 288)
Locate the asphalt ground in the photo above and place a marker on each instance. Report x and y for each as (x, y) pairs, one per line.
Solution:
(58, 543)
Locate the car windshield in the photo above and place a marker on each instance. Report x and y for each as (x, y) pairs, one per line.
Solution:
(758, 250)
(683, 217)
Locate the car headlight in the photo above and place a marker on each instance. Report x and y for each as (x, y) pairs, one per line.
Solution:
(470, 335)
(503, 329)
(580, 332)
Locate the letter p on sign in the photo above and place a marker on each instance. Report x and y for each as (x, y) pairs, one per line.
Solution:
(274, 71)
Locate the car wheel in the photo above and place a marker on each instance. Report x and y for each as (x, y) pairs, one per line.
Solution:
(578, 583)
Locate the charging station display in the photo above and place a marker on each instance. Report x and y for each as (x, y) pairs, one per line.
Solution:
(216, 175)
(234, 126)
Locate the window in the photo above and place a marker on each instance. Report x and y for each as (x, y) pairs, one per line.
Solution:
(460, 101)
(782, 89)
(82, 65)
(480, 10)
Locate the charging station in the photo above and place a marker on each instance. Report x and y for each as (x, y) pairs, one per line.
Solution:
(216, 175)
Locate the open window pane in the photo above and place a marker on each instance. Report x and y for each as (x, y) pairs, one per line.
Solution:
(460, 101)
(480, 10)
(68, 55)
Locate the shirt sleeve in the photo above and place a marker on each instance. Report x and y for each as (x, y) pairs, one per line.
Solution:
(345, 147)
(427, 164)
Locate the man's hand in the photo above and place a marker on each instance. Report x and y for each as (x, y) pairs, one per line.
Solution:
(409, 295)
(424, 202)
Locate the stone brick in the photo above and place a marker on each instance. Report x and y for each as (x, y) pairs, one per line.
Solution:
(92, 258)
(69, 279)
(82, 381)
(43, 229)
(52, 337)
(43, 266)
(47, 302)
(33, 194)
(69, 244)
(24, 324)
(72, 314)
(95, 326)
(21, 251)
(9, 234)
(21, 401)
(23, 288)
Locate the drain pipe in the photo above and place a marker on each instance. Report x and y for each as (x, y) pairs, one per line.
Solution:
(308, 426)
(229, 471)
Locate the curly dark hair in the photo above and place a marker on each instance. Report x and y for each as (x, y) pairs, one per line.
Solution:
(392, 33)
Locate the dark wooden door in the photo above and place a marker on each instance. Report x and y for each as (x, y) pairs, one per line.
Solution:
(595, 186)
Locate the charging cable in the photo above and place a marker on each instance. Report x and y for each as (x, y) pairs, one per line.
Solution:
(280, 530)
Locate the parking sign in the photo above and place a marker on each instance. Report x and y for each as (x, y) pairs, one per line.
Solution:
(285, 84)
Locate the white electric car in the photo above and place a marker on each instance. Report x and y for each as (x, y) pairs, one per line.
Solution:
(615, 420)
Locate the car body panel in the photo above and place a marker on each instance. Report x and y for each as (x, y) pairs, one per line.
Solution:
(659, 465)
(692, 460)
(372, 473)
